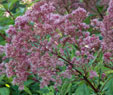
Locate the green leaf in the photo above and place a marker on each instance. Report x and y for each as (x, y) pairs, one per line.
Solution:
(87, 20)
(65, 88)
(100, 8)
(51, 91)
(11, 3)
(5, 5)
(28, 82)
(26, 89)
(4, 91)
(44, 90)
(109, 87)
(82, 90)
(2, 77)
(2, 42)
(96, 57)
(81, 0)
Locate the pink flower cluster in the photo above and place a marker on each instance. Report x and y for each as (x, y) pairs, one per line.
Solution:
(38, 42)
(107, 33)
(1, 49)
(66, 6)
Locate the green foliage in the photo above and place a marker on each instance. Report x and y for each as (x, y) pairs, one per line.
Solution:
(65, 88)
(26, 89)
(4, 91)
(82, 90)
(108, 88)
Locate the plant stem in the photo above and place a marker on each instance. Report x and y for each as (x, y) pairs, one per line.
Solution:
(101, 15)
(3, 36)
(9, 13)
(110, 67)
(85, 78)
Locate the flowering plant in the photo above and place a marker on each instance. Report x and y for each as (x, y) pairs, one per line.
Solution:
(54, 47)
